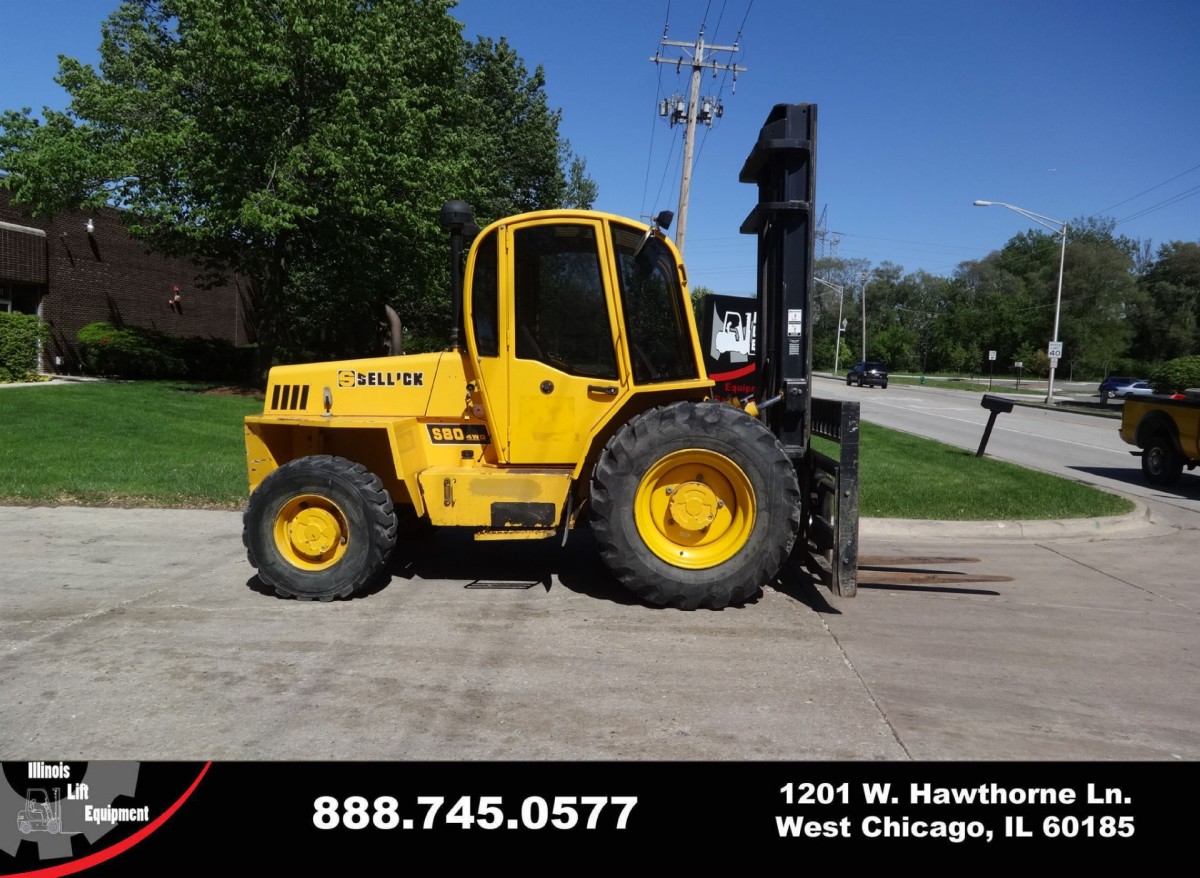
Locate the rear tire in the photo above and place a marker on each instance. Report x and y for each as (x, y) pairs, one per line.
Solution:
(1161, 463)
(694, 505)
(319, 528)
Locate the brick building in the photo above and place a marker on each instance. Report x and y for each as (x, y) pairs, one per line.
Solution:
(82, 266)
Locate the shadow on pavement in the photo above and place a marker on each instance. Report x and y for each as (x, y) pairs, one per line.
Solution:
(797, 583)
(1187, 488)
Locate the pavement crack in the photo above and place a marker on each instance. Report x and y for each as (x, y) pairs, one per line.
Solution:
(866, 688)
(1114, 577)
(82, 619)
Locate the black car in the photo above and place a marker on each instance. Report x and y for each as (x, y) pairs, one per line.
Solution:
(869, 372)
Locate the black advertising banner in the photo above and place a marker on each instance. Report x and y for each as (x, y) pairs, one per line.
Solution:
(596, 819)
(729, 341)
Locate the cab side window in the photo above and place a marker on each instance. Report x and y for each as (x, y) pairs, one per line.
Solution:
(559, 302)
(485, 292)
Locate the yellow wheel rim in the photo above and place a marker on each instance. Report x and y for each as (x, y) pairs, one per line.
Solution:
(311, 532)
(694, 509)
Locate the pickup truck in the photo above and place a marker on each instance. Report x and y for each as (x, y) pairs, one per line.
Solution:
(1167, 430)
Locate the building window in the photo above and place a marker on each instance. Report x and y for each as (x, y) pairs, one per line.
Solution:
(22, 298)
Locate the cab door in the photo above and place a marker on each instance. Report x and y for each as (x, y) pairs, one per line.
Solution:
(563, 373)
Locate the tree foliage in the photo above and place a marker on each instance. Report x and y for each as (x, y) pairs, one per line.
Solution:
(1122, 310)
(304, 146)
(1166, 317)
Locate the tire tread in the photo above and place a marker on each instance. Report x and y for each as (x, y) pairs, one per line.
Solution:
(382, 521)
(630, 453)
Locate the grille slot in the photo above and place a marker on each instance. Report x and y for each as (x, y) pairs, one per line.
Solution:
(289, 397)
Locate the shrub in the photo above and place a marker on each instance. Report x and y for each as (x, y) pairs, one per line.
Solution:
(128, 352)
(20, 337)
(137, 352)
(1175, 376)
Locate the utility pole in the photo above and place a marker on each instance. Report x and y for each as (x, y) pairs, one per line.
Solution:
(863, 296)
(693, 109)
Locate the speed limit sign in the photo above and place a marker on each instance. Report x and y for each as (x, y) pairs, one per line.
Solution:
(1055, 350)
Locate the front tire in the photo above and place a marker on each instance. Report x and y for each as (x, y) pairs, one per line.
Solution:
(319, 528)
(1161, 463)
(694, 505)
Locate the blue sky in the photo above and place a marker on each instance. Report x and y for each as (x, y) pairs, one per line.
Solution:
(1063, 107)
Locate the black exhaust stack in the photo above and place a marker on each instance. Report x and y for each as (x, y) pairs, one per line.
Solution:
(457, 220)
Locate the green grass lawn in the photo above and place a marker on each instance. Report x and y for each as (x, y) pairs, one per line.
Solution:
(905, 476)
(123, 444)
(977, 385)
(171, 445)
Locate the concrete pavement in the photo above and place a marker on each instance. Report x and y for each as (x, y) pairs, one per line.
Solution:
(143, 634)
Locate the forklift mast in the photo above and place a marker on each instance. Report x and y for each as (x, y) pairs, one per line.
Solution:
(783, 165)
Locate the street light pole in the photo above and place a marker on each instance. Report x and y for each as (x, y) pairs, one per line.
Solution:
(864, 316)
(1060, 227)
(841, 324)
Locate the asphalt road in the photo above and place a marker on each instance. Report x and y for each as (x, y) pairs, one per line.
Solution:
(1074, 445)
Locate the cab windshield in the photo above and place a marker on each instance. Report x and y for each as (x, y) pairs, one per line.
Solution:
(656, 326)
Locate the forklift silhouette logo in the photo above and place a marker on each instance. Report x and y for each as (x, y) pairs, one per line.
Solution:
(40, 813)
(734, 334)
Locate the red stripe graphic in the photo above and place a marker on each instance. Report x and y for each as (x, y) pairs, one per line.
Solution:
(736, 373)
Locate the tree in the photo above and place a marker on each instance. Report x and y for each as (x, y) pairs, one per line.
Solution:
(698, 293)
(1167, 316)
(582, 190)
(1100, 279)
(1016, 289)
(513, 138)
(304, 146)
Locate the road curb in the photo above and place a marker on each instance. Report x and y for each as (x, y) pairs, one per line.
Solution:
(1138, 523)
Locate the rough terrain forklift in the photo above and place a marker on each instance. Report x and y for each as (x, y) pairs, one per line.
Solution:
(573, 391)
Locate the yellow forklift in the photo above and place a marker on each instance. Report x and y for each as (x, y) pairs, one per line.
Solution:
(573, 390)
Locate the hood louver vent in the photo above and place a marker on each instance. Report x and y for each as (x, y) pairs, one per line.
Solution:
(289, 397)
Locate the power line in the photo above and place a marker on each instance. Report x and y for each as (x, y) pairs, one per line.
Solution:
(1174, 199)
(1146, 191)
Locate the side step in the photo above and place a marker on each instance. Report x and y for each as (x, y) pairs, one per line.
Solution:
(516, 533)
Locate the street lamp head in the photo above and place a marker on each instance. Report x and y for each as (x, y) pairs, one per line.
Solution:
(984, 203)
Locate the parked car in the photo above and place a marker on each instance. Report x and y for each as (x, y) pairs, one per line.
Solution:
(868, 372)
(1115, 385)
(1139, 388)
